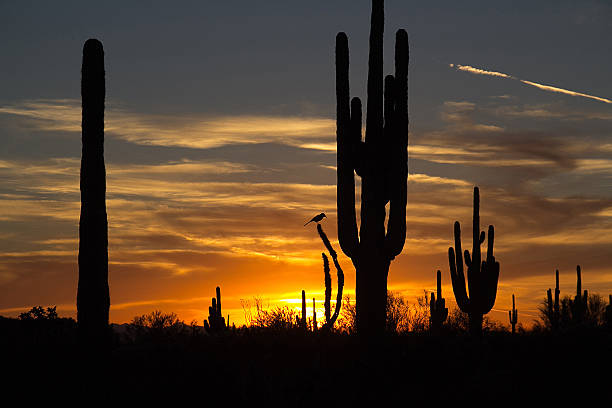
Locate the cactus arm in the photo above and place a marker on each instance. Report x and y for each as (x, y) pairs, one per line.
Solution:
(455, 260)
(347, 221)
(396, 225)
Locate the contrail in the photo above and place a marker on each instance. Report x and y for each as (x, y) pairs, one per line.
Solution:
(478, 71)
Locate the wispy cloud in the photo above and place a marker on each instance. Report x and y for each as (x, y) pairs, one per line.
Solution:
(191, 131)
(548, 88)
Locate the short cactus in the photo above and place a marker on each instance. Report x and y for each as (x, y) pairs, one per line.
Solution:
(314, 316)
(437, 310)
(482, 276)
(513, 315)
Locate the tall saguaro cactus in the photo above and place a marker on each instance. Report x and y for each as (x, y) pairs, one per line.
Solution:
(579, 306)
(382, 163)
(93, 300)
(482, 277)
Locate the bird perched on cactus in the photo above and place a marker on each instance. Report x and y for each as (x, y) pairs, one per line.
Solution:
(317, 218)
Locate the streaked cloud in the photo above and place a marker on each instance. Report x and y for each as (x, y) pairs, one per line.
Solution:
(548, 88)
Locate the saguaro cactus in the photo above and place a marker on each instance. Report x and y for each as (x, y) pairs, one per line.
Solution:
(438, 312)
(93, 300)
(554, 312)
(513, 315)
(381, 162)
(216, 321)
(482, 277)
(579, 306)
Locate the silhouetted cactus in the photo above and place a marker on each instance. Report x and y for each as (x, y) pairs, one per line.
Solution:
(513, 316)
(381, 162)
(216, 321)
(93, 300)
(329, 318)
(302, 321)
(314, 316)
(553, 310)
(438, 312)
(579, 306)
(482, 277)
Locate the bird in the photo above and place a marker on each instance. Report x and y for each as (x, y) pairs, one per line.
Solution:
(316, 218)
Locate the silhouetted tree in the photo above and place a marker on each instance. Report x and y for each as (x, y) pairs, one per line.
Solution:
(93, 299)
(482, 277)
(609, 312)
(381, 162)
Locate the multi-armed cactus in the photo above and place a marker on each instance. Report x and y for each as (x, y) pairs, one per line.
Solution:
(553, 310)
(438, 312)
(93, 300)
(513, 315)
(579, 306)
(216, 321)
(482, 277)
(381, 162)
(329, 318)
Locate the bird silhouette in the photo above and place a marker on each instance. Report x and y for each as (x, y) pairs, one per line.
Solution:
(316, 218)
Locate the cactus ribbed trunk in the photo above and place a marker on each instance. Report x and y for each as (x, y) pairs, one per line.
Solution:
(93, 300)
(381, 162)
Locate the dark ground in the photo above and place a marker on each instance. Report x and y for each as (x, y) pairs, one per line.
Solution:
(298, 369)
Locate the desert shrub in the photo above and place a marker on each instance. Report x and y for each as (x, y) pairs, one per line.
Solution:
(157, 327)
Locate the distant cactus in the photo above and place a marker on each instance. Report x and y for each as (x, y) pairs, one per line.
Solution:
(381, 162)
(579, 306)
(553, 310)
(329, 318)
(438, 312)
(302, 321)
(482, 277)
(314, 316)
(216, 321)
(513, 315)
(93, 300)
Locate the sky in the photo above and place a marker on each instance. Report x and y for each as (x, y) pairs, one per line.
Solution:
(220, 145)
